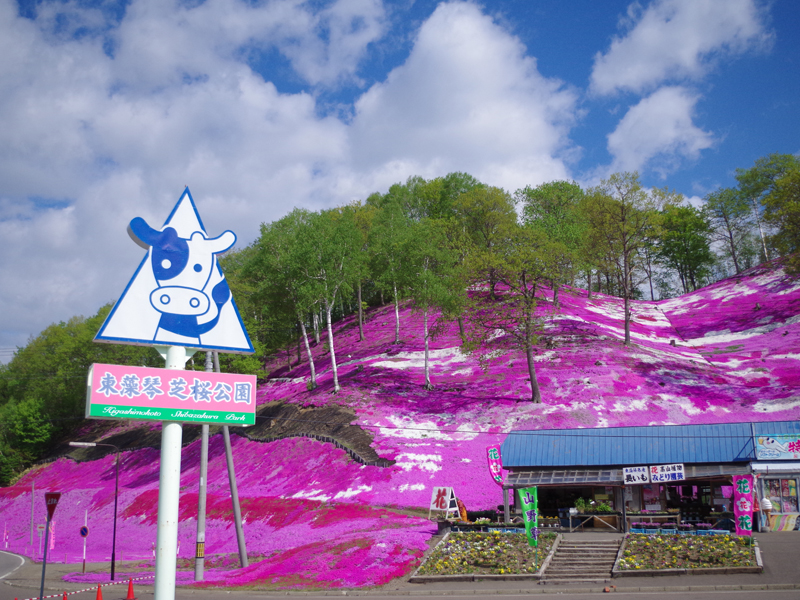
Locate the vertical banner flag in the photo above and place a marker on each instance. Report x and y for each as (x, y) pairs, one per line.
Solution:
(495, 463)
(530, 514)
(743, 504)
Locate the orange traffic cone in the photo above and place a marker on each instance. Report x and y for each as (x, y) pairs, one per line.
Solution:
(99, 593)
(65, 596)
(130, 595)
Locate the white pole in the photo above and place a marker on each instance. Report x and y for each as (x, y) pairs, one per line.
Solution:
(85, 524)
(169, 494)
(33, 489)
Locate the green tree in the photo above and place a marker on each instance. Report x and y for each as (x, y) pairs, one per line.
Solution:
(757, 182)
(328, 256)
(621, 215)
(525, 260)
(487, 216)
(43, 387)
(363, 217)
(554, 209)
(276, 268)
(782, 211)
(387, 239)
(729, 216)
(684, 244)
(430, 274)
(250, 310)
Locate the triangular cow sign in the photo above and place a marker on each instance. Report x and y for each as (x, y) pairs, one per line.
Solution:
(178, 296)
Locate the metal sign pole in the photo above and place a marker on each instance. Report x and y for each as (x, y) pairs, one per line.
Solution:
(200, 546)
(44, 559)
(237, 512)
(169, 482)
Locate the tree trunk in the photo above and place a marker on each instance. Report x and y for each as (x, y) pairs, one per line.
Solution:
(626, 292)
(589, 279)
(328, 310)
(360, 315)
(428, 385)
(760, 229)
(308, 352)
(396, 316)
(461, 327)
(555, 293)
(316, 327)
(536, 395)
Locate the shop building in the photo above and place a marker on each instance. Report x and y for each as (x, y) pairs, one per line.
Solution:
(680, 473)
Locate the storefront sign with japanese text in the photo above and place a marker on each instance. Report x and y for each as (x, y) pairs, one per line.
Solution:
(495, 463)
(778, 447)
(636, 475)
(119, 392)
(666, 473)
(530, 514)
(743, 504)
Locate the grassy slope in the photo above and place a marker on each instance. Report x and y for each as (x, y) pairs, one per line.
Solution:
(307, 504)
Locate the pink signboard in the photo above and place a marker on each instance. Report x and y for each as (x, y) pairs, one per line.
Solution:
(495, 463)
(119, 392)
(743, 504)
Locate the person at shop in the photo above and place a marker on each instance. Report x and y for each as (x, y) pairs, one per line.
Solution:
(766, 506)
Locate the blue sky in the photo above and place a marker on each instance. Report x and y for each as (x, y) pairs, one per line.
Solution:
(108, 109)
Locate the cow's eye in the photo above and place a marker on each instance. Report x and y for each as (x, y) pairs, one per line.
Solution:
(165, 264)
(198, 267)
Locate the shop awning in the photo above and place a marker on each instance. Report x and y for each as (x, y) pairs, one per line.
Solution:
(611, 476)
(563, 477)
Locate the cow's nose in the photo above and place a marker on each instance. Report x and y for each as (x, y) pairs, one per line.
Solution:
(179, 301)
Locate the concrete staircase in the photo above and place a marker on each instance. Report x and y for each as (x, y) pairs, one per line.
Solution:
(582, 560)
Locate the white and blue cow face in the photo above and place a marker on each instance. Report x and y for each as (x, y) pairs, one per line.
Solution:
(182, 268)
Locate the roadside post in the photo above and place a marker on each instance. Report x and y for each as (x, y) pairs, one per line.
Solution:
(179, 302)
(84, 531)
(51, 501)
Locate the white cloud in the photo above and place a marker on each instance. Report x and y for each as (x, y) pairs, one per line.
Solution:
(467, 99)
(658, 132)
(677, 40)
(112, 115)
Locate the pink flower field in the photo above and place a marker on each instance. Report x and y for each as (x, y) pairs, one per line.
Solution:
(314, 518)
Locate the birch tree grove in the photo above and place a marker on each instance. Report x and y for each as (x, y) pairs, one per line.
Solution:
(276, 265)
(621, 215)
(328, 259)
(430, 273)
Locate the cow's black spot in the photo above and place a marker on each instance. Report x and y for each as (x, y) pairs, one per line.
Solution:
(170, 255)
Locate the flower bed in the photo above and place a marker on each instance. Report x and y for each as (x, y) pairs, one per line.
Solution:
(486, 554)
(657, 552)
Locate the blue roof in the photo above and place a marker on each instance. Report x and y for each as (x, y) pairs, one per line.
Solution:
(620, 446)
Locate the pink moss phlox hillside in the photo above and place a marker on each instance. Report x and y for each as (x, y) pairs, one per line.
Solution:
(726, 353)
(588, 377)
(273, 525)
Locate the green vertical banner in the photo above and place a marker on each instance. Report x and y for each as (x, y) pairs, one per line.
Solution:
(530, 513)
